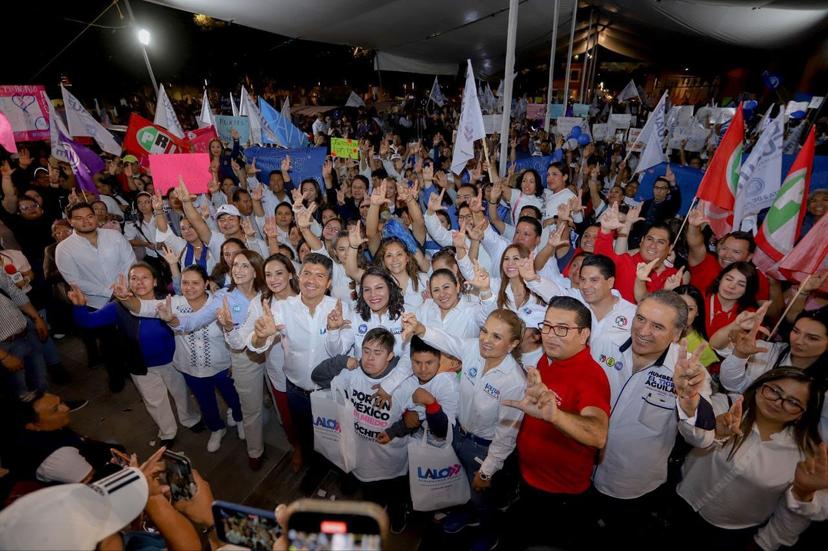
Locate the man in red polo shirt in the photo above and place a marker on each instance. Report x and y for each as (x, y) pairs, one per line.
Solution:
(567, 404)
(736, 246)
(655, 244)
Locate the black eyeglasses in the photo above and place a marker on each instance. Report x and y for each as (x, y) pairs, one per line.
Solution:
(559, 330)
(774, 394)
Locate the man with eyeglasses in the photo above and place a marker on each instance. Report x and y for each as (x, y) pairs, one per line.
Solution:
(645, 417)
(567, 404)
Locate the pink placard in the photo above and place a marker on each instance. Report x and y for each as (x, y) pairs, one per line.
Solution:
(193, 167)
(27, 110)
(535, 111)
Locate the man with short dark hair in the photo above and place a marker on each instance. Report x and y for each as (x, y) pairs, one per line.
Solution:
(568, 404)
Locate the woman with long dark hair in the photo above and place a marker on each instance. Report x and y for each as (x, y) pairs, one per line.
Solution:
(696, 332)
(732, 292)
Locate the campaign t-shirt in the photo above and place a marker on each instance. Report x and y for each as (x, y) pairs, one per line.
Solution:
(550, 460)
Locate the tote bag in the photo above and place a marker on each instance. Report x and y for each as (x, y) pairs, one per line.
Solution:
(333, 427)
(435, 475)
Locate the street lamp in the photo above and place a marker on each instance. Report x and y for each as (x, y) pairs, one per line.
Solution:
(144, 37)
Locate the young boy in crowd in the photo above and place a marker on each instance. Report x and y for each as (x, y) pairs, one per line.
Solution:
(382, 469)
(434, 400)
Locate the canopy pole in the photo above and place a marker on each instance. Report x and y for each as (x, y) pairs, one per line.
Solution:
(594, 66)
(569, 55)
(585, 66)
(509, 70)
(548, 115)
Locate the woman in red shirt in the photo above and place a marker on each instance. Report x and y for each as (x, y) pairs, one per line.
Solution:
(733, 291)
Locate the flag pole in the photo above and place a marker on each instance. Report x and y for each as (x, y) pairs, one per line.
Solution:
(683, 222)
(787, 309)
(486, 153)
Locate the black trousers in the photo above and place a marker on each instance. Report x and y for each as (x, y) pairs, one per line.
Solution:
(546, 520)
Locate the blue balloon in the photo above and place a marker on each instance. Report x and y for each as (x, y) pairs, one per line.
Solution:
(584, 139)
(750, 105)
(576, 131)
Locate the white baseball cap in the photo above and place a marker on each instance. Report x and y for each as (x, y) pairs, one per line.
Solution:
(74, 516)
(532, 315)
(227, 209)
(64, 465)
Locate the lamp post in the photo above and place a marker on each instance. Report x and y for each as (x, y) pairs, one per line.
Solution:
(144, 38)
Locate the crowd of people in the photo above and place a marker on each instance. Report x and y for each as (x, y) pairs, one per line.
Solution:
(602, 374)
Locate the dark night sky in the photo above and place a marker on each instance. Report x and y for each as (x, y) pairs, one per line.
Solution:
(106, 61)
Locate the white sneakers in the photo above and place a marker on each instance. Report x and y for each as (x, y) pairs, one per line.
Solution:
(214, 443)
(233, 423)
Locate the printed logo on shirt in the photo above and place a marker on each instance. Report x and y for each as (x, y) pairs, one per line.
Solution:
(236, 308)
(363, 328)
(328, 424)
(323, 330)
(492, 391)
(396, 331)
(609, 361)
(473, 372)
(660, 382)
(621, 322)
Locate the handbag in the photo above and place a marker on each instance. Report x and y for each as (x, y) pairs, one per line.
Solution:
(333, 427)
(435, 475)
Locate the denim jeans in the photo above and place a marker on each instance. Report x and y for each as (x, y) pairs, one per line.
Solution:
(33, 375)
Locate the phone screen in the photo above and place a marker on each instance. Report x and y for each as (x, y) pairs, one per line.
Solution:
(333, 532)
(255, 529)
(178, 475)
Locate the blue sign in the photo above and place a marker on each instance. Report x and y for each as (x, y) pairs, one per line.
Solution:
(307, 163)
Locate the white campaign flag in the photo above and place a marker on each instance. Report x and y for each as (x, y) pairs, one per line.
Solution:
(354, 100)
(233, 107)
(286, 109)
(491, 100)
(653, 153)
(243, 99)
(56, 128)
(471, 126)
(655, 125)
(764, 121)
(82, 123)
(760, 175)
(436, 95)
(630, 91)
(205, 119)
(165, 114)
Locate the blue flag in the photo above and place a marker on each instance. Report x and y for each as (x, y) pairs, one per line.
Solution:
(287, 135)
(307, 163)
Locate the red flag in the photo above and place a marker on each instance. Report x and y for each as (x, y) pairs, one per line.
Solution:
(717, 190)
(808, 256)
(199, 140)
(143, 138)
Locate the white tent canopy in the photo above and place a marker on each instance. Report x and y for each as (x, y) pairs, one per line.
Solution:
(430, 36)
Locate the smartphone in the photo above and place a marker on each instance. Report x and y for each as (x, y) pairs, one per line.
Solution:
(178, 475)
(254, 529)
(333, 525)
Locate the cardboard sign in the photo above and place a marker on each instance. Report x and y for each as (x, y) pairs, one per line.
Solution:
(226, 124)
(193, 167)
(580, 109)
(307, 162)
(535, 111)
(631, 140)
(556, 110)
(600, 131)
(345, 148)
(618, 122)
(564, 125)
(696, 138)
(27, 110)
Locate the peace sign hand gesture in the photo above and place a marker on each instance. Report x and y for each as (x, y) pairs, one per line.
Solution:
(611, 219)
(526, 268)
(355, 238)
(119, 289)
(744, 342)
(730, 423)
(539, 401)
(223, 315)
(644, 269)
(481, 278)
(435, 201)
(811, 475)
(265, 327)
(76, 296)
(164, 310)
(689, 377)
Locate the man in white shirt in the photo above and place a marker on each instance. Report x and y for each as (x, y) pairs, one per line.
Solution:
(319, 126)
(645, 417)
(611, 315)
(300, 323)
(92, 259)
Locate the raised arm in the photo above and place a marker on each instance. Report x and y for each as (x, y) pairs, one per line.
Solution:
(201, 227)
(355, 240)
(696, 249)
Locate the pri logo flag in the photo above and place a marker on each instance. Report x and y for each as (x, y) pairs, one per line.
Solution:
(81, 123)
(760, 175)
(717, 190)
(165, 114)
(471, 126)
(143, 138)
(781, 227)
(436, 95)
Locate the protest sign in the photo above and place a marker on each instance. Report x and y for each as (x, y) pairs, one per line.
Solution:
(556, 110)
(194, 168)
(144, 138)
(226, 124)
(491, 123)
(618, 122)
(27, 109)
(307, 162)
(564, 125)
(535, 111)
(600, 132)
(580, 109)
(344, 148)
(695, 138)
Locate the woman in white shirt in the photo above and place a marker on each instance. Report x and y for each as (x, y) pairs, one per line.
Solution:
(380, 304)
(486, 429)
(530, 193)
(141, 231)
(739, 481)
(512, 290)
(447, 310)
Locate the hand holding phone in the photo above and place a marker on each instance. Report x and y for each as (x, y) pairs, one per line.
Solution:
(255, 529)
(178, 475)
(328, 525)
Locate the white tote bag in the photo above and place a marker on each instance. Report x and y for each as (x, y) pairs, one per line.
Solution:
(435, 475)
(333, 427)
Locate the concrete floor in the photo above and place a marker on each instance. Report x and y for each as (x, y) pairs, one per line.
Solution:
(122, 418)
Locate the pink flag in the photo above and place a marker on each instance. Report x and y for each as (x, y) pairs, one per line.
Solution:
(7, 135)
(808, 256)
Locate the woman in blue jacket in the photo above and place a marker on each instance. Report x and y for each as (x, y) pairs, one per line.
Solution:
(150, 347)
